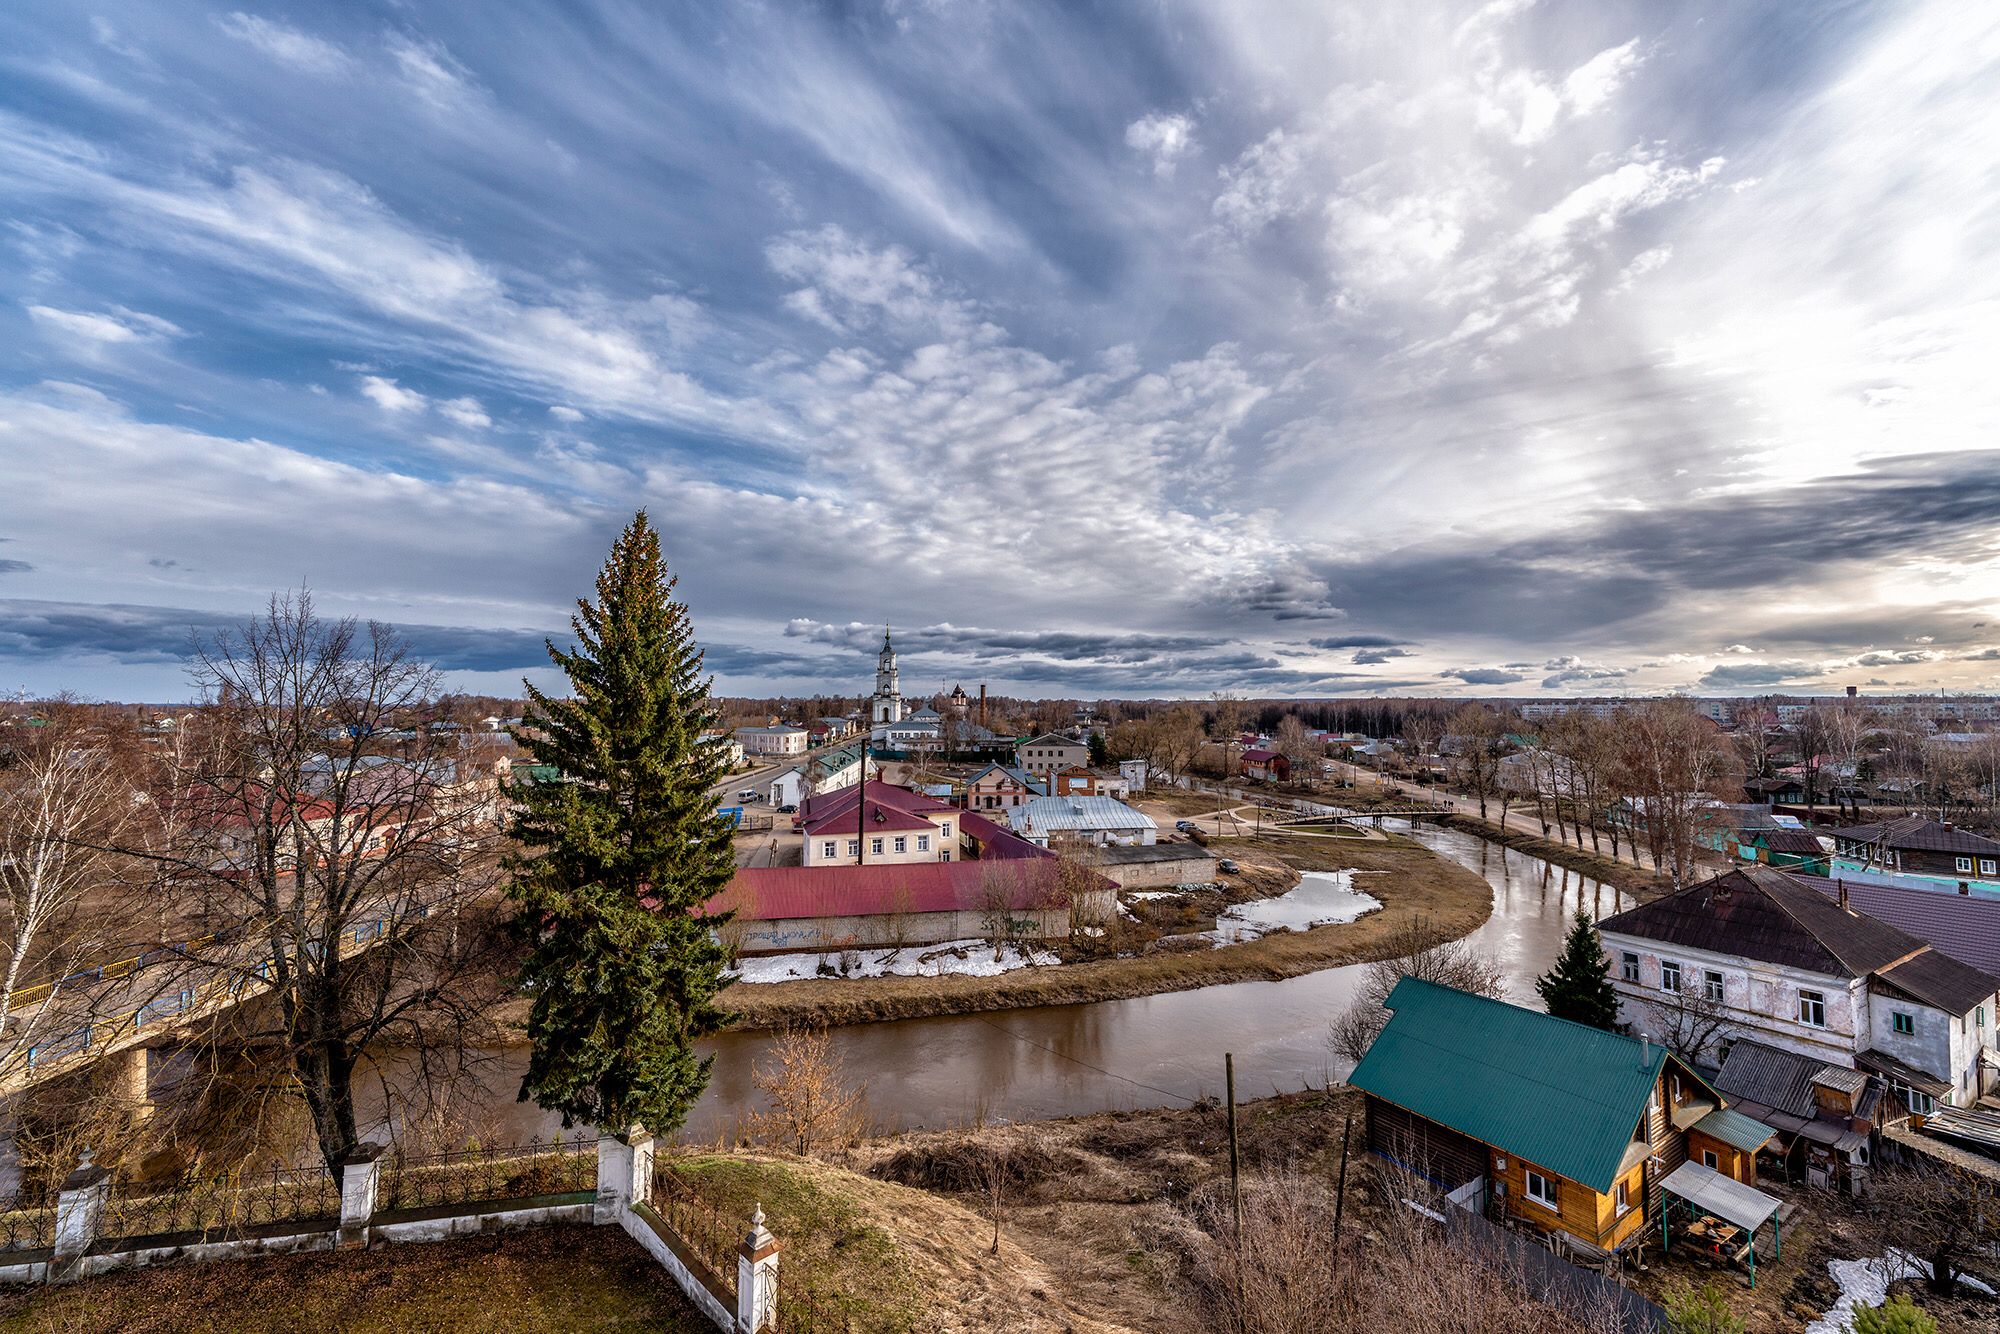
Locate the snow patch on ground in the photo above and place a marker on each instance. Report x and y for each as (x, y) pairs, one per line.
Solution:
(1321, 898)
(955, 958)
(1866, 1283)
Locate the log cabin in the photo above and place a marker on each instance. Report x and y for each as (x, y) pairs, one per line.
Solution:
(1538, 1120)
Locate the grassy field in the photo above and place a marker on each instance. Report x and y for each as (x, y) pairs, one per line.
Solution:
(1413, 883)
(545, 1279)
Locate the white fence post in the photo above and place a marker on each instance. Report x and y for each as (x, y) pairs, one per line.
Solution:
(757, 1279)
(79, 1208)
(624, 1173)
(360, 1175)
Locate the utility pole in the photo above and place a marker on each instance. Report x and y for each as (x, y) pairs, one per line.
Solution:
(1340, 1193)
(861, 812)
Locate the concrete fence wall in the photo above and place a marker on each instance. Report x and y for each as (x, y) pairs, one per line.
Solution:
(623, 1198)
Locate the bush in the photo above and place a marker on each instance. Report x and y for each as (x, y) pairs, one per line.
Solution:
(1898, 1315)
(1702, 1310)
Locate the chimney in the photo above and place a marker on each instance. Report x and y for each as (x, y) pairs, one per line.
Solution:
(1841, 885)
(1947, 826)
(1645, 1051)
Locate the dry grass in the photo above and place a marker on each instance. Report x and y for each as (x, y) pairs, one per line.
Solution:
(1413, 883)
(545, 1279)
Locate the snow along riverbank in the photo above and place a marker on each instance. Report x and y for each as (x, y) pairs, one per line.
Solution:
(954, 958)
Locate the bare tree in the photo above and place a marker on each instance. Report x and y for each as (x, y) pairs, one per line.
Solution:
(1675, 762)
(66, 796)
(997, 888)
(1687, 1022)
(1302, 751)
(1419, 954)
(810, 1105)
(1944, 1214)
(317, 825)
(1476, 739)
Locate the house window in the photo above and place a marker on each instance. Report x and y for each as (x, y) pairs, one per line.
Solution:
(902, 844)
(826, 848)
(1987, 865)
(1624, 1197)
(1919, 1102)
(1979, 1015)
(1965, 865)
(1708, 1160)
(1670, 975)
(854, 847)
(1903, 1023)
(1711, 982)
(946, 829)
(1630, 966)
(1812, 1009)
(1541, 1189)
(875, 847)
(923, 842)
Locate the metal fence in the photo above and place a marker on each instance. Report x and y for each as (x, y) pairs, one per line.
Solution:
(222, 1205)
(502, 1172)
(800, 1312)
(711, 1237)
(1548, 1277)
(27, 1221)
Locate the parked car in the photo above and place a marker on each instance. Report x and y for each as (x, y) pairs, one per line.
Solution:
(788, 809)
(747, 794)
(1227, 867)
(1184, 826)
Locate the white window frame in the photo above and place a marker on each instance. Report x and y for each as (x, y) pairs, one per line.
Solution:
(826, 849)
(902, 843)
(945, 829)
(1965, 866)
(874, 847)
(1624, 1197)
(1812, 1001)
(1989, 866)
(1629, 966)
(923, 842)
(1712, 984)
(1710, 1161)
(1552, 1200)
(1674, 965)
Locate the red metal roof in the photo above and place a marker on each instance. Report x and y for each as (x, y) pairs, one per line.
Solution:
(998, 842)
(1260, 756)
(763, 894)
(880, 817)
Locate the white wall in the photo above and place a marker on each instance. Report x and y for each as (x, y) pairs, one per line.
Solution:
(1761, 1000)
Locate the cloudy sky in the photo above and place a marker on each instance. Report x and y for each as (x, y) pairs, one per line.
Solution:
(1158, 348)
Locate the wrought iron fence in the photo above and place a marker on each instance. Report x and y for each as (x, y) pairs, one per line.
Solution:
(225, 1204)
(712, 1236)
(802, 1312)
(27, 1221)
(503, 1172)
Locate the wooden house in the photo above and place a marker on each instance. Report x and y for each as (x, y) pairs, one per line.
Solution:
(1534, 1119)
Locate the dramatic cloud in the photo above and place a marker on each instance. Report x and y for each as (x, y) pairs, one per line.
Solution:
(1146, 350)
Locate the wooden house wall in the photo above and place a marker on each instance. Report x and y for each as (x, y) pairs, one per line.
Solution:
(1439, 1152)
(1729, 1160)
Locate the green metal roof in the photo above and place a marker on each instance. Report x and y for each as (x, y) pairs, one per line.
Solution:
(1735, 1129)
(1564, 1096)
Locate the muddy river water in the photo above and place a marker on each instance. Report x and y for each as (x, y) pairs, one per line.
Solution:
(1145, 1052)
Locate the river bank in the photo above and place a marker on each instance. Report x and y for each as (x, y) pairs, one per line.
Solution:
(1633, 880)
(1412, 883)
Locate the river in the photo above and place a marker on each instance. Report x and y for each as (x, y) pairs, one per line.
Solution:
(1146, 1052)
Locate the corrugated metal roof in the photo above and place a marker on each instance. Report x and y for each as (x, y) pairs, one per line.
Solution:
(1915, 833)
(1967, 927)
(1735, 1129)
(1760, 913)
(1939, 980)
(1564, 1096)
(1106, 813)
(1724, 1197)
(763, 894)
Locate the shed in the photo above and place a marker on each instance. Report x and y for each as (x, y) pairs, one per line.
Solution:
(1704, 1193)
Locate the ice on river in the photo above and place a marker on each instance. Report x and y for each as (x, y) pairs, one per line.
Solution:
(962, 958)
(1321, 898)
(1866, 1283)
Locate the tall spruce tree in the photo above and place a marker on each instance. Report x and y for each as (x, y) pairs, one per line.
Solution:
(620, 855)
(1579, 985)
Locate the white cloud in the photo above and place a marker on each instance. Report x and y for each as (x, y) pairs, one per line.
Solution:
(465, 411)
(389, 396)
(120, 326)
(1163, 138)
(1593, 83)
(286, 45)
(568, 416)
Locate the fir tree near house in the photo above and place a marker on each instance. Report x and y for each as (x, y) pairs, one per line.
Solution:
(1579, 987)
(619, 856)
